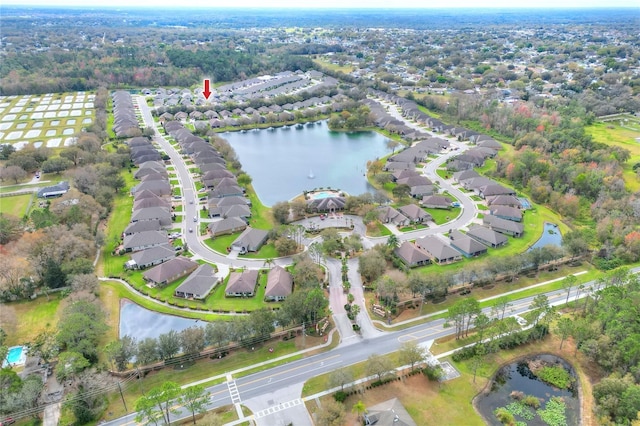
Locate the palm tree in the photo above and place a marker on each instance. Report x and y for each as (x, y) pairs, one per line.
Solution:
(359, 408)
(393, 241)
(268, 262)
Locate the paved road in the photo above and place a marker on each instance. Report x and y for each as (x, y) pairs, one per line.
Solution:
(277, 390)
(273, 386)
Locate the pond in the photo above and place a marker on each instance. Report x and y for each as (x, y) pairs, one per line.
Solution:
(515, 381)
(283, 162)
(550, 236)
(141, 323)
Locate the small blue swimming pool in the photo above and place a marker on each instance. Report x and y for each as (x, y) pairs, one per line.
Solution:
(15, 356)
(526, 205)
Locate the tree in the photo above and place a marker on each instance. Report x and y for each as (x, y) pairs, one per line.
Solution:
(378, 366)
(147, 351)
(500, 306)
(192, 340)
(121, 351)
(564, 327)
(9, 228)
(73, 154)
(14, 173)
(392, 144)
(280, 212)
(539, 307)
(393, 241)
(285, 246)
(332, 414)
(168, 344)
(69, 365)
(567, 284)
(412, 353)
(371, 265)
(359, 408)
(80, 329)
(478, 358)
(163, 398)
(316, 252)
(217, 333)
(401, 191)
(340, 377)
(262, 321)
(56, 165)
(481, 323)
(194, 399)
(315, 304)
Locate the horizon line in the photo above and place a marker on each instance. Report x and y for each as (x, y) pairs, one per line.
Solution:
(488, 7)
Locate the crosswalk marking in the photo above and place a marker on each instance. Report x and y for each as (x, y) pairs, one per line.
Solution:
(276, 408)
(233, 391)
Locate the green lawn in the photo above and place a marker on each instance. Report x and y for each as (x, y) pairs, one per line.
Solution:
(443, 173)
(24, 320)
(177, 190)
(178, 208)
(379, 231)
(16, 205)
(267, 251)
(334, 67)
(412, 227)
(260, 214)
(221, 243)
(441, 216)
(117, 222)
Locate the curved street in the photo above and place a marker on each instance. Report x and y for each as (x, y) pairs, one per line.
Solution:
(274, 395)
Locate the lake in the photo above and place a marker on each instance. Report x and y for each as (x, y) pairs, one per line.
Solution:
(550, 236)
(138, 322)
(281, 160)
(518, 378)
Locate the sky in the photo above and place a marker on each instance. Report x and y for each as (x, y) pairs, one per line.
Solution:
(299, 4)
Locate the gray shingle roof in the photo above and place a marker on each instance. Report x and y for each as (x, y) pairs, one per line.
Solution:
(199, 283)
(154, 254)
(242, 282)
(176, 267)
(279, 283)
(146, 238)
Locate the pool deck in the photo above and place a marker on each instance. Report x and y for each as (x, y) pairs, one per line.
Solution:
(22, 358)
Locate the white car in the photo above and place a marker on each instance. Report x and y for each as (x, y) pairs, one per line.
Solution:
(190, 229)
(520, 320)
(195, 218)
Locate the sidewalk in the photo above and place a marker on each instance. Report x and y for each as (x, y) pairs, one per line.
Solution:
(261, 364)
(423, 317)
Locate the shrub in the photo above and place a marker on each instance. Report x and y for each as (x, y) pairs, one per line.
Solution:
(340, 396)
(505, 417)
(531, 401)
(556, 376)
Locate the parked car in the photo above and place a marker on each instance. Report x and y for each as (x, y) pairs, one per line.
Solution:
(195, 218)
(7, 421)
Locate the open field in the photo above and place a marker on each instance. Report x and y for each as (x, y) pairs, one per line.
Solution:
(35, 316)
(613, 134)
(16, 205)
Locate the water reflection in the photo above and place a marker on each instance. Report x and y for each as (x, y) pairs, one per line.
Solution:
(279, 161)
(141, 323)
(550, 236)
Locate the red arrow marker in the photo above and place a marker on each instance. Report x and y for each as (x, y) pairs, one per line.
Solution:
(206, 92)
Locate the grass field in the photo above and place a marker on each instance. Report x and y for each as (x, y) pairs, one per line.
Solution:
(118, 221)
(614, 135)
(35, 316)
(16, 205)
(260, 214)
(334, 67)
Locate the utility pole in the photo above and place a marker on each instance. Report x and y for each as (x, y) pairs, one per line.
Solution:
(123, 401)
(303, 336)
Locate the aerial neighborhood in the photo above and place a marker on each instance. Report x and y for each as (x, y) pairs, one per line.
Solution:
(319, 217)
